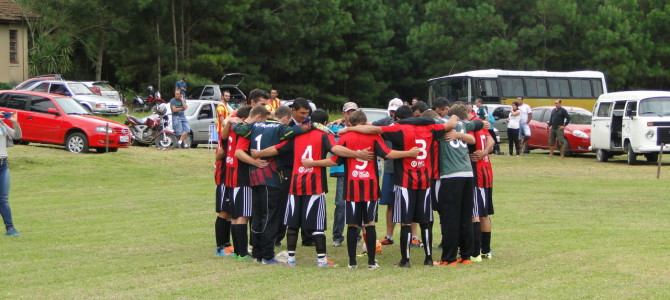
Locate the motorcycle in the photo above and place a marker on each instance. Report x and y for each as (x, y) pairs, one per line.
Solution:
(154, 129)
(153, 99)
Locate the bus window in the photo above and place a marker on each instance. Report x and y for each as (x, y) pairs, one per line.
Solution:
(454, 89)
(512, 87)
(536, 87)
(597, 87)
(559, 88)
(581, 88)
(488, 88)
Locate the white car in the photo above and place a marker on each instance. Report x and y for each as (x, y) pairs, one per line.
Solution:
(634, 122)
(103, 88)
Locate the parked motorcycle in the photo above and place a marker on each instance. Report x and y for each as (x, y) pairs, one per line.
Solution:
(154, 129)
(145, 104)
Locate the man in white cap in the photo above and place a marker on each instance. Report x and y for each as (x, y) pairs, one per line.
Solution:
(387, 195)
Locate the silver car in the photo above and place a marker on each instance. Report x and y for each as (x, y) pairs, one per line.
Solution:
(201, 115)
(500, 113)
(104, 89)
(81, 93)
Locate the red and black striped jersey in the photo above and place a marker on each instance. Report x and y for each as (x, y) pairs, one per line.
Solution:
(238, 175)
(220, 165)
(483, 169)
(361, 180)
(413, 173)
(314, 145)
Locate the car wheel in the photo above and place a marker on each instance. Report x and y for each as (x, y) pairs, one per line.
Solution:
(651, 157)
(602, 155)
(631, 157)
(76, 142)
(23, 143)
(166, 141)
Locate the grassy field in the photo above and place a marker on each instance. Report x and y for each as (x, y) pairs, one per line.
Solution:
(139, 224)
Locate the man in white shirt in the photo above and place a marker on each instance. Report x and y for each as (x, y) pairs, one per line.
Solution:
(524, 128)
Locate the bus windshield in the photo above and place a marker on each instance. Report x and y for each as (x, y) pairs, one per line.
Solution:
(454, 89)
(655, 107)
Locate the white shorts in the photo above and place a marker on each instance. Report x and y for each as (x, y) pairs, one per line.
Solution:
(524, 129)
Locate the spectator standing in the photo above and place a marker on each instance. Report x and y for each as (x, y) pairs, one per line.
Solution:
(558, 120)
(178, 106)
(524, 128)
(7, 135)
(274, 102)
(513, 129)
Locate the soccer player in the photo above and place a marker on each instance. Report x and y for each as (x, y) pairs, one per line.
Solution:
(222, 226)
(455, 189)
(237, 189)
(265, 183)
(483, 192)
(361, 189)
(306, 209)
(412, 203)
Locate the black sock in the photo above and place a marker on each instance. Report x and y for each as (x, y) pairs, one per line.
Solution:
(240, 239)
(320, 243)
(426, 230)
(352, 236)
(486, 242)
(405, 238)
(291, 240)
(219, 230)
(371, 243)
(477, 239)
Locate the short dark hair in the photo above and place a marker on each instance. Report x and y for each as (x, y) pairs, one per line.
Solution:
(255, 94)
(243, 112)
(282, 111)
(299, 103)
(430, 114)
(358, 118)
(403, 112)
(259, 111)
(460, 110)
(440, 103)
(320, 116)
(420, 106)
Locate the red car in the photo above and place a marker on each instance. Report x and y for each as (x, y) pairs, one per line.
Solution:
(577, 133)
(54, 119)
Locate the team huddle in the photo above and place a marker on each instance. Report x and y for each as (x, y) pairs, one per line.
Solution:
(271, 173)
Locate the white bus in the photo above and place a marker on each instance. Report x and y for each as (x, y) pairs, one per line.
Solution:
(538, 88)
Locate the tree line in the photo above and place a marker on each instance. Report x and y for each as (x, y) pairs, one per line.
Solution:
(336, 50)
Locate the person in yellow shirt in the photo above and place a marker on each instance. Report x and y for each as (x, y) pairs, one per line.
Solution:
(274, 102)
(223, 111)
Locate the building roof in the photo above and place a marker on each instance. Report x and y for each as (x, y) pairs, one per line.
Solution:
(10, 11)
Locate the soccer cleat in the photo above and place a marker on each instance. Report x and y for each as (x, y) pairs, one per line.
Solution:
(325, 263)
(219, 252)
(12, 232)
(487, 255)
(404, 264)
(374, 267)
(337, 243)
(242, 258)
(228, 251)
(465, 262)
(291, 262)
(387, 241)
(444, 263)
(271, 261)
(476, 259)
(352, 268)
(378, 247)
(428, 262)
(416, 243)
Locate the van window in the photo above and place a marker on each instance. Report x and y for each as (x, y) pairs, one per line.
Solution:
(620, 105)
(512, 87)
(604, 109)
(42, 105)
(581, 88)
(536, 87)
(655, 107)
(559, 88)
(631, 108)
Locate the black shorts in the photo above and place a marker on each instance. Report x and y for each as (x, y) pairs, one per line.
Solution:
(488, 200)
(241, 202)
(361, 213)
(479, 203)
(412, 206)
(432, 193)
(223, 201)
(306, 212)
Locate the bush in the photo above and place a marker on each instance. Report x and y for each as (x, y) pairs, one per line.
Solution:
(6, 86)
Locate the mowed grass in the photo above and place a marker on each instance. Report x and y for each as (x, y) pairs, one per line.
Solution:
(139, 224)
